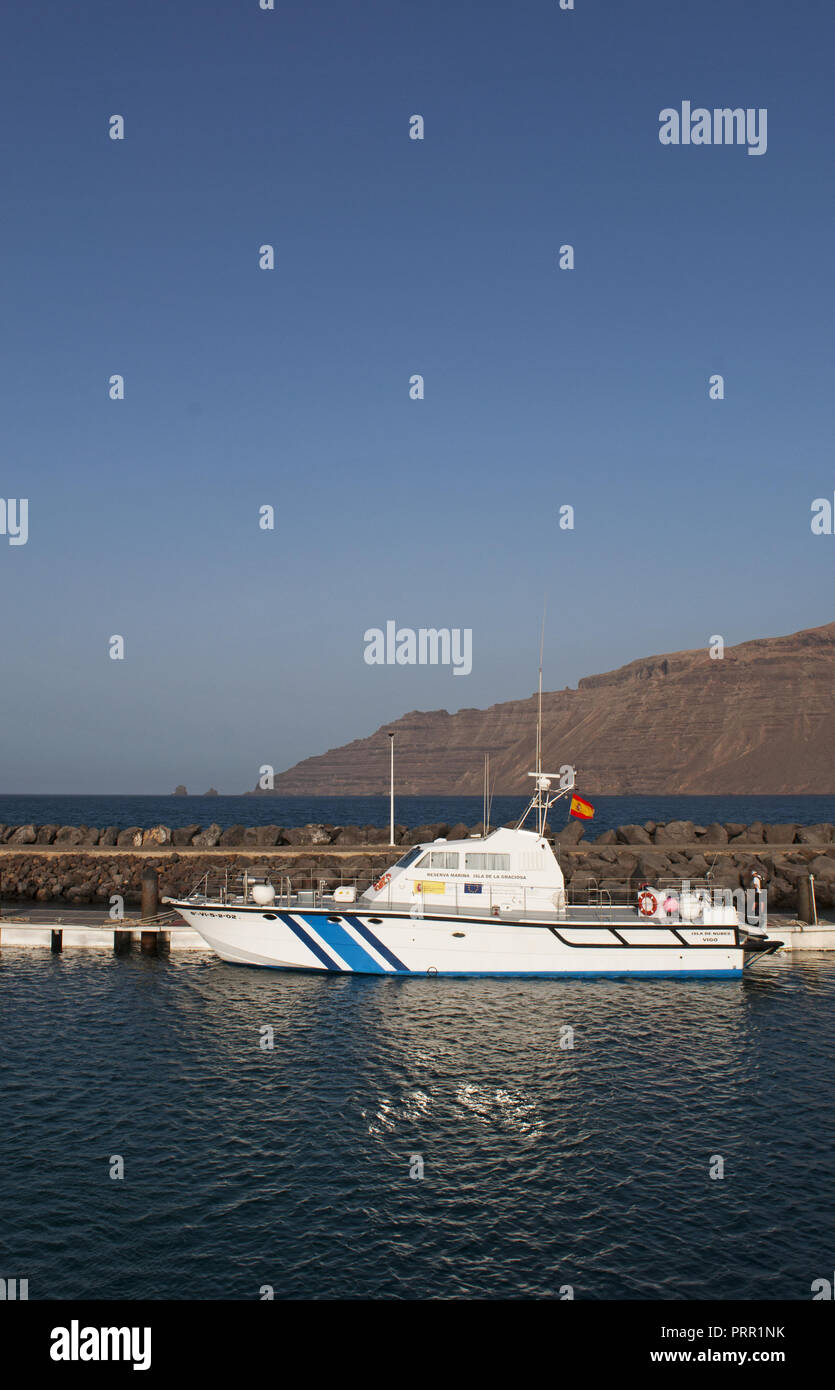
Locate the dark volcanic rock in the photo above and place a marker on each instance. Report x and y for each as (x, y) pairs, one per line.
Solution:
(823, 866)
(623, 867)
(569, 834)
(69, 835)
(208, 839)
(127, 839)
(350, 835)
(24, 835)
(814, 834)
(675, 832)
(726, 877)
(379, 835)
(781, 894)
(232, 835)
(790, 872)
(308, 835)
(715, 834)
(47, 833)
(458, 832)
(426, 833)
(749, 835)
(780, 834)
(582, 880)
(634, 835)
(157, 836)
(109, 836)
(183, 836)
(653, 865)
(267, 835)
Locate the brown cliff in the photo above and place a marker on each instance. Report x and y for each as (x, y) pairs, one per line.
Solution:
(759, 721)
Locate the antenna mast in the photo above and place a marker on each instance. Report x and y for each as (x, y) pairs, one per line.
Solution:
(541, 813)
(486, 818)
(543, 798)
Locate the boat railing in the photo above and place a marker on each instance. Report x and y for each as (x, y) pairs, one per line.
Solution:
(231, 888)
(307, 889)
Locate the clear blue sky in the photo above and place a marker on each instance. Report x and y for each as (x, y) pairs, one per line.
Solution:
(394, 257)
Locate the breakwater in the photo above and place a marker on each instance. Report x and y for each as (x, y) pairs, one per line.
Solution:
(86, 865)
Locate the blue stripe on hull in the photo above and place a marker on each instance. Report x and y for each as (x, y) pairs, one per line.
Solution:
(309, 943)
(510, 974)
(378, 945)
(335, 936)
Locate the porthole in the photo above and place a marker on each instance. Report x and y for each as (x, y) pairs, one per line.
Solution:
(376, 921)
(459, 933)
(335, 920)
(270, 916)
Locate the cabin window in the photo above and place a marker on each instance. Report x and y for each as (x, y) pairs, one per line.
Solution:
(408, 858)
(439, 859)
(484, 862)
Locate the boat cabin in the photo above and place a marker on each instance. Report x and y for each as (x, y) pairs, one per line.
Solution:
(504, 871)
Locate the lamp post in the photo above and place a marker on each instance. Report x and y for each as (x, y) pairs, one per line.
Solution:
(391, 790)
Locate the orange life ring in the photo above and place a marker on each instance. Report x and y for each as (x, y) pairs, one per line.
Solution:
(647, 903)
(381, 882)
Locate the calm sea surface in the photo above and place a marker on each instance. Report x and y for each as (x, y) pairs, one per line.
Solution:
(543, 1166)
(610, 811)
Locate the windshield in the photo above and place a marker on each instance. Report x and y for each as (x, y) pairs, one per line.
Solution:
(409, 858)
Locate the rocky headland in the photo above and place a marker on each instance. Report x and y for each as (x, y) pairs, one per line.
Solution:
(757, 720)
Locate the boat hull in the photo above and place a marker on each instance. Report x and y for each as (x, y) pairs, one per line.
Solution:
(394, 943)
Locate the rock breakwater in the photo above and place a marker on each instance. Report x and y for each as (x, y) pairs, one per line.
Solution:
(87, 865)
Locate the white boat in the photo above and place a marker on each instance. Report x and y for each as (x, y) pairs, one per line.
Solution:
(493, 904)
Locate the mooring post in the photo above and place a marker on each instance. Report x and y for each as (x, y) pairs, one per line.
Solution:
(150, 894)
(57, 941)
(121, 942)
(149, 910)
(804, 901)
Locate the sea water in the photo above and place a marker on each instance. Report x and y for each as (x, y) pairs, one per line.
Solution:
(184, 1128)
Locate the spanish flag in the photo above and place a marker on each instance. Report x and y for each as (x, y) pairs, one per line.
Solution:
(583, 810)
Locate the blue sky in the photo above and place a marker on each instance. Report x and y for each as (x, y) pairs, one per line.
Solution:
(290, 387)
